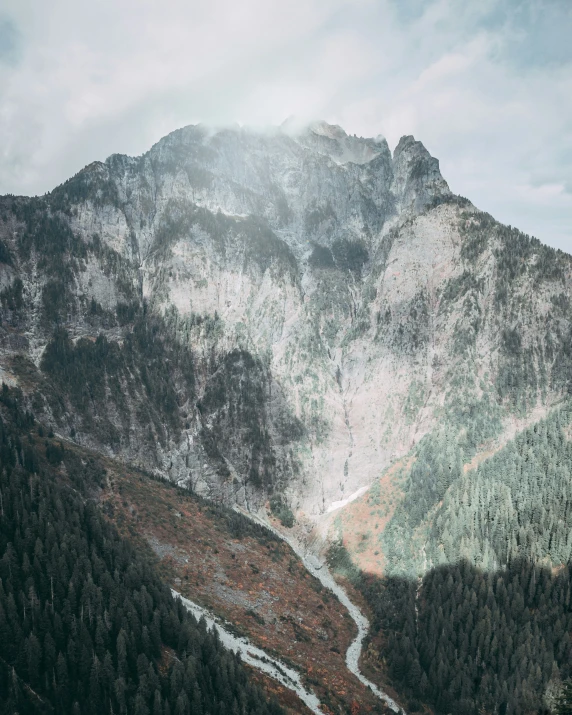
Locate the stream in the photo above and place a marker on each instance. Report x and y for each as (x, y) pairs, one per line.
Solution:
(252, 655)
(320, 570)
(256, 657)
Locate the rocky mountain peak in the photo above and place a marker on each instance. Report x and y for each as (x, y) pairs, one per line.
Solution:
(333, 131)
(417, 177)
(333, 141)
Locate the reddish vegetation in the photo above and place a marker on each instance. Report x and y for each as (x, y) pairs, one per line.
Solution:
(254, 582)
(364, 519)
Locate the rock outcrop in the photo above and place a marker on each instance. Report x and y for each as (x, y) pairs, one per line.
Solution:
(284, 312)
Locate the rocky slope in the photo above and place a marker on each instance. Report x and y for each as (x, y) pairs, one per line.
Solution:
(277, 313)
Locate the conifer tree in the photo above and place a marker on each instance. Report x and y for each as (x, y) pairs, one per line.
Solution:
(564, 699)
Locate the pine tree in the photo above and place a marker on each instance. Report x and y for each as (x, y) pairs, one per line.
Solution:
(564, 699)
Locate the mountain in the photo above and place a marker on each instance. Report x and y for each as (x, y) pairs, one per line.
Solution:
(326, 299)
(300, 318)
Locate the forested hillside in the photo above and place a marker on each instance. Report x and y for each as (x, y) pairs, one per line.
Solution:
(468, 641)
(86, 625)
(516, 504)
(480, 620)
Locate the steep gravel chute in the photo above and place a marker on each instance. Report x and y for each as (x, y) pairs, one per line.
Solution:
(319, 569)
(254, 656)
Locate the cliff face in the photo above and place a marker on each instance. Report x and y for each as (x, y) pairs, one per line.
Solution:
(277, 312)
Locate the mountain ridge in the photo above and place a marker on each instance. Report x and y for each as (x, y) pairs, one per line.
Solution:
(306, 261)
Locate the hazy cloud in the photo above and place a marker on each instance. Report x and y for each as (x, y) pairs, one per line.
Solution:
(486, 86)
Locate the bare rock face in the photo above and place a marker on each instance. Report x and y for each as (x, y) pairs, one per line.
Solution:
(284, 312)
(417, 181)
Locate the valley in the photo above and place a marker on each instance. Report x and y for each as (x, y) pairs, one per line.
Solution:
(319, 389)
(253, 577)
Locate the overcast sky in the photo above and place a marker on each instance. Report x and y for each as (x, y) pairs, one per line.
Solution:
(486, 85)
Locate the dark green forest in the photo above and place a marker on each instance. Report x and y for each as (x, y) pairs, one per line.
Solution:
(96, 374)
(86, 625)
(468, 641)
(238, 421)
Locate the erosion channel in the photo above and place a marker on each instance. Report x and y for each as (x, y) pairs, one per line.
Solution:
(285, 675)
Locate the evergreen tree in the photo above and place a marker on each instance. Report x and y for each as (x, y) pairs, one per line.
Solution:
(564, 699)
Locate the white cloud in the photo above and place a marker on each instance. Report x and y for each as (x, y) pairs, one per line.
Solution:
(481, 84)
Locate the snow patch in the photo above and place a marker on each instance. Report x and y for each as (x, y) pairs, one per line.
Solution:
(339, 504)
